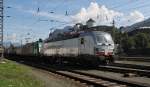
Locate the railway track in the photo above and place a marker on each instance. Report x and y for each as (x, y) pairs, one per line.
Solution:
(144, 59)
(123, 82)
(142, 67)
(125, 70)
(89, 79)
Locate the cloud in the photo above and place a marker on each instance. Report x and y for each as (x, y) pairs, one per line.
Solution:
(100, 14)
(135, 16)
(104, 16)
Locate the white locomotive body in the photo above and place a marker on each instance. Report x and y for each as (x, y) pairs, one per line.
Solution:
(87, 46)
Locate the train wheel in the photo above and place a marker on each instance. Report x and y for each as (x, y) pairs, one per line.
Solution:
(112, 59)
(107, 62)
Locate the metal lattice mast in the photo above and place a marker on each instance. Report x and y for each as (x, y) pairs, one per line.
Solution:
(1, 27)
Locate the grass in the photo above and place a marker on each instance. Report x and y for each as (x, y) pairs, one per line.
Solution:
(16, 75)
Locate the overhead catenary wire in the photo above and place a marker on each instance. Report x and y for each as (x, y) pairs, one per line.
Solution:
(38, 9)
(119, 6)
(137, 4)
(139, 7)
(125, 4)
(114, 7)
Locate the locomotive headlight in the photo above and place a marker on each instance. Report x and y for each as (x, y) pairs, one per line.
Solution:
(101, 44)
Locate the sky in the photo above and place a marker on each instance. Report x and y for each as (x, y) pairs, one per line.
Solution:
(34, 19)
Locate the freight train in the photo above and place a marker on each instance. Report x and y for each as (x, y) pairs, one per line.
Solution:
(82, 47)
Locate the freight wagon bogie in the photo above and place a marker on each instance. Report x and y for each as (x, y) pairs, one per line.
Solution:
(84, 60)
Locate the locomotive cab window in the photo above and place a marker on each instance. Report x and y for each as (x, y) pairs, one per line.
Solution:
(104, 38)
(100, 39)
(82, 41)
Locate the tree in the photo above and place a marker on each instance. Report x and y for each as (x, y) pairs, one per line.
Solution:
(141, 40)
(117, 36)
(124, 41)
(130, 43)
(40, 40)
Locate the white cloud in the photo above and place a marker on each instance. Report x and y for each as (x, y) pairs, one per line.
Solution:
(136, 16)
(100, 14)
(104, 16)
(131, 18)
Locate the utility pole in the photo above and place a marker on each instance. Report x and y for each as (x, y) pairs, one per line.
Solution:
(1, 29)
(113, 30)
(120, 41)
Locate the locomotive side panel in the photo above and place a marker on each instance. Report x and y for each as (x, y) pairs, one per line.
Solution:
(87, 46)
(70, 47)
(62, 48)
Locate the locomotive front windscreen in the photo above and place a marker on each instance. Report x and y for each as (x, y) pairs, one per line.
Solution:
(105, 38)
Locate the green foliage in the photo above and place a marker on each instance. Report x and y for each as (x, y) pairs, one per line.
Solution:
(114, 32)
(142, 40)
(131, 43)
(116, 35)
(125, 41)
(40, 40)
(128, 43)
(139, 42)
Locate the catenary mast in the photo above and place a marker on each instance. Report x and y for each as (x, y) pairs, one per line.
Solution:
(1, 28)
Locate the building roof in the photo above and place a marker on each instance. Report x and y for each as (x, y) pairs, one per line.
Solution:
(90, 20)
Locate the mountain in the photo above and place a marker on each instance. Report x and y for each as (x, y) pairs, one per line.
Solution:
(145, 23)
